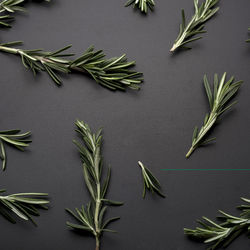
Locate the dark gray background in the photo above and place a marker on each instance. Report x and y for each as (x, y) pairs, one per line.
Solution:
(153, 125)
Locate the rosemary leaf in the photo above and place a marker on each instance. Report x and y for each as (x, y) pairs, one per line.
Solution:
(195, 26)
(10, 6)
(114, 73)
(91, 217)
(14, 138)
(221, 235)
(23, 205)
(223, 92)
(149, 181)
(143, 5)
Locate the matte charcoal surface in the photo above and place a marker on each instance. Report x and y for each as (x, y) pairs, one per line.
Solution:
(153, 125)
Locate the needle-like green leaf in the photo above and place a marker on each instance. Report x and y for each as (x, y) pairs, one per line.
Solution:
(14, 138)
(221, 235)
(195, 26)
(10, 6)
(114, 73)
(218, 100)
(143, 5)
(92, 216)
(23, 205)
(149, 181)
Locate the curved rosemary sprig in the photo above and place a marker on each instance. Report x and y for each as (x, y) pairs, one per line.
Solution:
(10, 6)
(14, 138)
(143, 5)
(23, 205)
(149, 181)
(221, 235)
(196, 25)
(113, 73)
(223, 91)
(91, 218)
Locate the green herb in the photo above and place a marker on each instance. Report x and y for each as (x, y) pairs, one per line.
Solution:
(113, 73)
(91, 218)
(143, 5)
(224, 233)
(10, 6)
(196, 25)
(248, 40)
(14, 138)
(149, 181)
(23, 205)
(222, 93)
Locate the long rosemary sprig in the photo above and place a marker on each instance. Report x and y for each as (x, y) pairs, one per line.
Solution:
(113, 73)
(91, 218)
(10, 6)
(222, 93)
(23, 205)
(14, 138)
(196, 25)
(224, 233)
(150, 182)
(143, 5)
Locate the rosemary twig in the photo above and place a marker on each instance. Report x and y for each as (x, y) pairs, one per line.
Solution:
(14, 138)
(143, 5)
(23, 205)
(113, 73)
(10, 6)
(222, 93)
(196, 25)
(224, 233)
(248, 40)
(149, 181)
(91, 218)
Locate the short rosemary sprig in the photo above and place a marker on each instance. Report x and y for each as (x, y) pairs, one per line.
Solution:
(113, 73)
(143, 5)
(223, 91)
(149, 181)
(23, 205)
(196, 25)
(248, 40)
(221, 235)
(91, 218)
(10, 6)
(14, 138)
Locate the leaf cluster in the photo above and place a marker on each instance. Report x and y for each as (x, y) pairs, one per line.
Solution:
(14, 138)
(143, 5)
(113, 73)
(196, 25)
(23, 205)
(92, 217)
(10, 6)
(150, 182)
(223, 92)
(221, 235)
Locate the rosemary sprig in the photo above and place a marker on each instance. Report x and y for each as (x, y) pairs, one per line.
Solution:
(10, 6)
(222, 93)
(23, 205)
(91, 218)
(113, 73)
(149, 181)
(196, 25)
(14, 138)
(224, 233)
(143, 5)
(248, 40)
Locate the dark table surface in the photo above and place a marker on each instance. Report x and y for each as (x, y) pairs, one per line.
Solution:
(153, 125)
